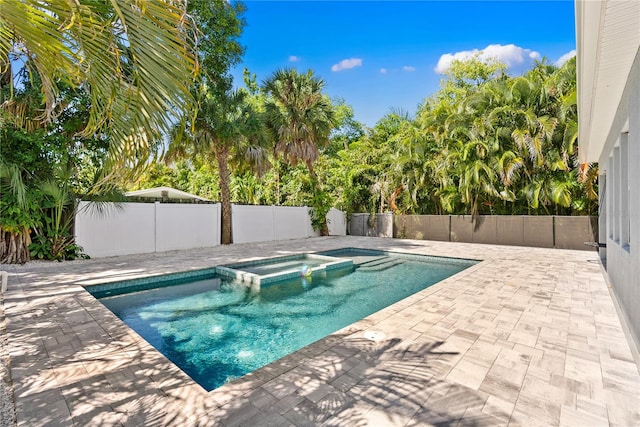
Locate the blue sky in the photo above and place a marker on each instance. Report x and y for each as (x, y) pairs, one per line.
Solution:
(379, 55)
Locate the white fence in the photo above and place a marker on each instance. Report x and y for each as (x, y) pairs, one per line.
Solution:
(265, 223)
(133, 228)
(337, 222)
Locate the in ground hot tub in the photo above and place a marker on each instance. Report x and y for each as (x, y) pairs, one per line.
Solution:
(261, 272)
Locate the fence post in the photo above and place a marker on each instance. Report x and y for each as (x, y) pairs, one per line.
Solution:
(156, 206)
(4, 276)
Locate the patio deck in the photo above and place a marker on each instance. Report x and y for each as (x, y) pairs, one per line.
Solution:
(528, 336)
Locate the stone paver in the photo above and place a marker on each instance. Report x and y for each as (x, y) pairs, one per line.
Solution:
(527, 336)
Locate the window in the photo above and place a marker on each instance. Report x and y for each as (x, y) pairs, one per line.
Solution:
(625, 217)
(616, 193)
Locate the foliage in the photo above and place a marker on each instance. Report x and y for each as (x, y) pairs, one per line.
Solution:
(219, 27)
(110, 49)
(485, 143)
(300, 116)
(301, 119)
(37, 200)
(320, 204)
(54, 236)
(18, 214)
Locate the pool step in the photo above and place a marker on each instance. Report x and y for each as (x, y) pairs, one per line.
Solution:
(380, 265)
(364, 260)
(370, 262)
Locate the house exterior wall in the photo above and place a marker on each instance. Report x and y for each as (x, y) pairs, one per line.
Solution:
(620, 215)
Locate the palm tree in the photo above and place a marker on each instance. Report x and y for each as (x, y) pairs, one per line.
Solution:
(15, 225)
(135, 58)
(300, 115)
(229, 130)
(301, 118)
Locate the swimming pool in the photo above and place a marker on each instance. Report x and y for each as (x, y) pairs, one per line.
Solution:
(216, 329)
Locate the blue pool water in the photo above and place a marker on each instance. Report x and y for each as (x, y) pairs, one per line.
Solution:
(217, 330)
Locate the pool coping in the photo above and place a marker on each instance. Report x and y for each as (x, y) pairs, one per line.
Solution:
(169, 279)
(74, 362)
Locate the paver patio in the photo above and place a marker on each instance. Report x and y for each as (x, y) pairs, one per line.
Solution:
(528, 336)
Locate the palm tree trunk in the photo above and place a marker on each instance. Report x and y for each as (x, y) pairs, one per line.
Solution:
(14, 247)
(222, 157)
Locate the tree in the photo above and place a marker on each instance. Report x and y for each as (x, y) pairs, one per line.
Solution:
(347, 129)
(484, 143)
(19, 213)
(135, 59)
(35, 198)
(300, 115)
(229, 130)
(301, 118)
(219, 27)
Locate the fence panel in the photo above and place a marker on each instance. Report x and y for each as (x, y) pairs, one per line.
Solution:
(292, 222)
(267, 223)
(252, 223)
(484, 230)
(362, 224)
(563, 232)
(422, 227)
(538, 231)
(571, 232)
(357, 224)
(510, 230)
(134, 228)
(461, 228)
(337, 222)
(186, 226)
(123, 229)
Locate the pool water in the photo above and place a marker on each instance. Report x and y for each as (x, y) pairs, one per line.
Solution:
(217, 330)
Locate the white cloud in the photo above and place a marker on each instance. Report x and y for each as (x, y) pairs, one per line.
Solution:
(564, 58)
(408, 68)
(383, 71)
(294, 58)
(346, 64)
(511, 55)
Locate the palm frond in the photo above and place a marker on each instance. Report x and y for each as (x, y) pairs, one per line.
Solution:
(135, 58)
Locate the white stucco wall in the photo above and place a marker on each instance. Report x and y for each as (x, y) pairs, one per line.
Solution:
(620, 217)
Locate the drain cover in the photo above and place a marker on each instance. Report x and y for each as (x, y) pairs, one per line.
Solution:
(374, 335)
